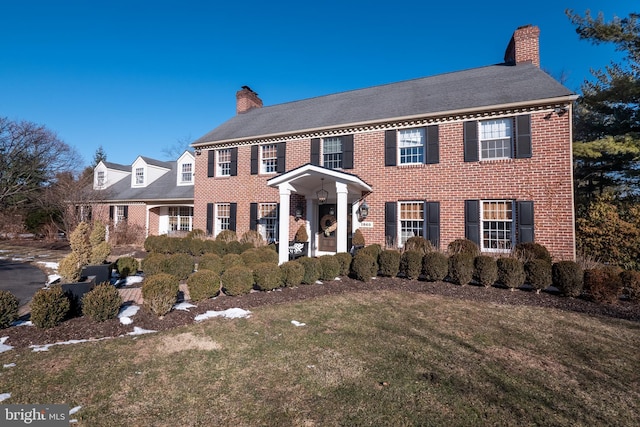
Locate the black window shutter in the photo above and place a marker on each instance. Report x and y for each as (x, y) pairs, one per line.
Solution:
(390, 147)
(390, 222)
(126, 212)
(525, 222)
(347, 152)
(471, 153)
(211, 163)
(523, 136)
(253, 216)
(315, 151)
(234, 161)
(472, 220)
(111, 208)
(209, 219)
(254, 159)
(282, 157)
(233, 210)
(433, 223)
(432, 145)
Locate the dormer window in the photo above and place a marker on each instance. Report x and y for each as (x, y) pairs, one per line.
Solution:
(100, 179)
(187, 172)
(139, 176)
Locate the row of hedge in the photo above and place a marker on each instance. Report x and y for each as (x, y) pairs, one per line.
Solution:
(226, 242)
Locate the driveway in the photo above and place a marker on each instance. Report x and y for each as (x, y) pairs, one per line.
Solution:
(21, 279)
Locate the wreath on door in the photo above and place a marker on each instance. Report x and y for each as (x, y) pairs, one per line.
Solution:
(328, 224)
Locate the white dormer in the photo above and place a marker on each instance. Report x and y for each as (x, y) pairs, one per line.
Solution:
(107, 174)
(145, 171)
(185, 169)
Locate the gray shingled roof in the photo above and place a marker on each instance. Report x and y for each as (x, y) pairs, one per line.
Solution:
(117, 166)
(475, 88)
(164, 188)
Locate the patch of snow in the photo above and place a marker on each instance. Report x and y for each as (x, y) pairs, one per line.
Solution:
(184, 306)
(230, 313)
(50, 264)
(4, 347)
(9, 365)
(20, 259)
(74, 410)
(126, 313)
(73, 421)
(52, 278)
(4, 396)
(130, 280)
(126, 320)
(296, 323)
(46, 347)
(139, 331)
(318, 282)
(22, 323)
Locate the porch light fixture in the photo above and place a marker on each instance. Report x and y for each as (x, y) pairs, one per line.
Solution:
(298, 212)
(363, 210)
(322, 194)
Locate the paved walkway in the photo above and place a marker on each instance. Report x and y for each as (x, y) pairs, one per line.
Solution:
(22, 280)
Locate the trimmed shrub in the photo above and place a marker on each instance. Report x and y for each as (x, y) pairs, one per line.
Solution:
(435, 266)
(253, 237)
(329, 267)
(8, 308)
(311, 269)
(418, 243)
(215, 247)
(538, 273)
(567, 276)
(197, 246)
(603, 285)
(211, 262)
(69, 267)
(159, 293)
(126, 266)
(463, 246)
(268, 254)
(102, 302)
(267, 277)
(485, 270)
(357, 239)
(49, 307)
(79, 241)
(411, 264)
(180, 265)
(203, 284)
(100, 253)
(232, 260)
(227, 236)
(154, 263)
(292, 273)
(251, 257)
(530, 251)
(344, 259)
(235, 247)
(389, 261)
(511, 272)
(154, 243)
(301, 234)
(631, 283)
(364, 266)
(197, 234)
(461, 268)
(372, 250)
(98, 234)
(237, 280)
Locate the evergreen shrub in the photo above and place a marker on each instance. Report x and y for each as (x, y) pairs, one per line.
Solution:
(463, 246)
(389, 261)
(154, 263)
(292, 273)
(266, 276)
(511, 272)
(418, 243)
(159, 293)
(126, 266)
(344, 258)
(364, 266)
(461, 268)
(237, 280)
(203, 284)
(435, 266)
(530, 250)
(253, 237)
(567, 277)
(180, 265)
(329, 267)
(485, 270)
(211, 261)
(49, 307)
(411, 264)
(538, 273)
(102, 302)
(227, 236)
(311, 269)
(69, 267)
(8, 308)
(602, 285)
(232, 260)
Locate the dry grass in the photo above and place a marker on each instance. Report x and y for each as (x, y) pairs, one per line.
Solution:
(377, 358)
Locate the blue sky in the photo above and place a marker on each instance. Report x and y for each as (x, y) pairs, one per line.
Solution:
(142, 77)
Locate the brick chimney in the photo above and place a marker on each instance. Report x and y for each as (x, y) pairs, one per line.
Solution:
(524, 46)
(247, 99)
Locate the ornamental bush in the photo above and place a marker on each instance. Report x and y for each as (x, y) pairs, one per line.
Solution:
(154, 263)
(602, 285)
(461, 268)
(251, 257)
(268, 254)
(567, 277)
(344, 259)
(530, 250)
(79, 241)
(232, 260)
(364, 266)
(203, 284)
(463, 246)
(126, 266)
(8, 308)
(197, 246)
(69, 267)
(102, 302)
(485, 270)
(211, 262)
(100, 253)
(237, 280)
(49, 307)
(235, 247)
(511, 272)
(538, 273)
(631, 284)
(311, 269)
(435, 266)
(292, 273)
(266, 276)
(389, 261)
(411, 264)
(253, 237)
(373, 250)
(329, 267)
(418, 243)
(227, 236)
(159, 293)
(301, 234)
(357, 239)
(180, 265)
(215, 247)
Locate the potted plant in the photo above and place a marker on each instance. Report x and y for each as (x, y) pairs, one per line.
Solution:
(357, 241)
(300, 243)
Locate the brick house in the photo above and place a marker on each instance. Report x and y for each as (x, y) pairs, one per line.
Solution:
(483, 153)
(149, 194)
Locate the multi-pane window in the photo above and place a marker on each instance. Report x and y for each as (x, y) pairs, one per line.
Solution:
(495, 139)
(223, 162)
(100, 179)
(180, 218)
(268, 158)
(411, 146)
(497, 225)
(223, 217)
(411, 220)
(332, 153)
(187, 172)
(268, 221)
(121, 214)
(139, 176)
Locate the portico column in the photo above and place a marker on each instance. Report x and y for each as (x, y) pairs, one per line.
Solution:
(341, 230)
(283, 224)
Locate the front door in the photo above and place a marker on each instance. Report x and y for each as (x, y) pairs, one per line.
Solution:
(327, 241)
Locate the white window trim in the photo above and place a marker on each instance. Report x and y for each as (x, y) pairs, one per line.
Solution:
(262, 159)
(513, 226)
(179, 217)
(262, 229)
(341, 152)
(182, 173)
(217, 160)
(399, 220)
(399, 147)
(218, 225)
(101, 181)
(135, 177)
(512, 129)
